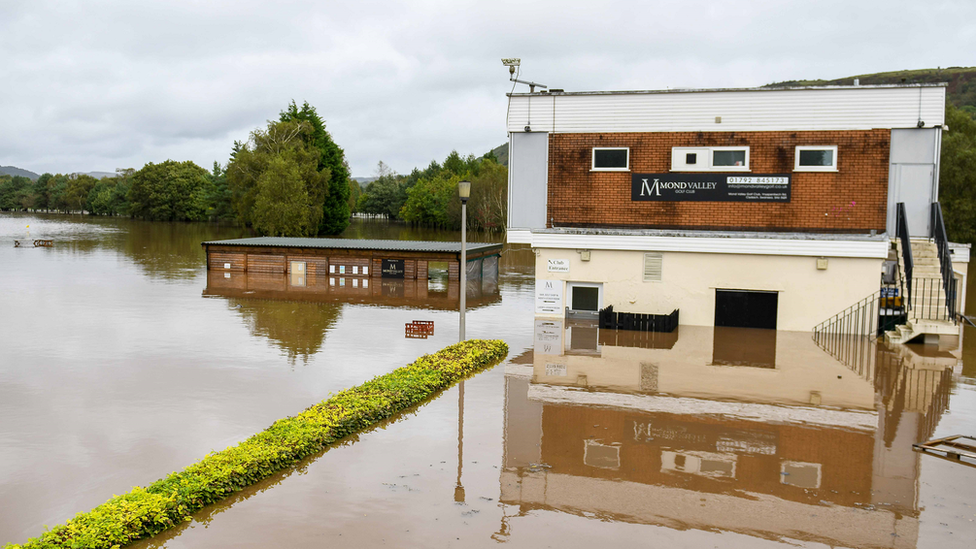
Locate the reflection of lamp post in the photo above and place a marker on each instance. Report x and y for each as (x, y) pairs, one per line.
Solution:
(464, 192)
(458, 487)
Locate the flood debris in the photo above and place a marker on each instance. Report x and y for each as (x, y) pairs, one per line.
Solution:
(956, 448)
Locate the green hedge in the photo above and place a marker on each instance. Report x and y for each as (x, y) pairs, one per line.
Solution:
(144, 512)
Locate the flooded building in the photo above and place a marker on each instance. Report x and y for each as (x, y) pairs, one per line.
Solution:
(770, 208)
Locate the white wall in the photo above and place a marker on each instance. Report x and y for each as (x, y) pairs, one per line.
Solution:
(807, 296)
(831, 108)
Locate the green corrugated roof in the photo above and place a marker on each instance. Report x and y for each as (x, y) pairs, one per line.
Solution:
(356, 244)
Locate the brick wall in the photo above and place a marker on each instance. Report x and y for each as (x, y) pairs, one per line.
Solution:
(853, 199)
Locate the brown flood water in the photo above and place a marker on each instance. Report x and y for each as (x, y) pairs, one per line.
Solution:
(123, 361)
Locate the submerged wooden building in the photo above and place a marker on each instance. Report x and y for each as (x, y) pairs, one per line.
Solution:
(405, 259)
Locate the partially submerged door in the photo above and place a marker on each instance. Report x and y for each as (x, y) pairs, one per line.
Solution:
(746, 308)
(585, 299)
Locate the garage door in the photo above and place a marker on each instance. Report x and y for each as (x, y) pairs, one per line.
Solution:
(746, 308)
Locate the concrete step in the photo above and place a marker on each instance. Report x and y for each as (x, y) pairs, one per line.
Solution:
(941, 327)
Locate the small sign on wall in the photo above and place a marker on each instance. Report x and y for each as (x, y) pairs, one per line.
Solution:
(393, 268)
(549, 297)
(548, 337)
(558, 265)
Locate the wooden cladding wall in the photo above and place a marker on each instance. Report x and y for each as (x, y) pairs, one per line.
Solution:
(227, 261)
(314, 264)
(346, 263)
(265, 263)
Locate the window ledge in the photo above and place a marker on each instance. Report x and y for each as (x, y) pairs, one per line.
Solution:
(609, 169)
(816, 170)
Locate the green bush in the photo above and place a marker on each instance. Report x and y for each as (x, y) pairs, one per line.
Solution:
(144, 512)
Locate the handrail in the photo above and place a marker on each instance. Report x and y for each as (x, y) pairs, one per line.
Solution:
(906, 248)
(849, 335)
(945, 259)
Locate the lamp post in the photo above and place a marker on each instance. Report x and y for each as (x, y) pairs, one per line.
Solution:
(464, 192)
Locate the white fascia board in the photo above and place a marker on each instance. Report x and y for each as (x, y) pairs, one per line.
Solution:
(748, 411)
(518, 236)
(809, 109)
(821, 247)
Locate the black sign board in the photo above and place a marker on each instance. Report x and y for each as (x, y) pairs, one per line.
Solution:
(710, 187)
(392, 268)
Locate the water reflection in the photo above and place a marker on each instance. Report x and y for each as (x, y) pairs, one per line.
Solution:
(386, 292)
(674, 431)
(161, 250)
(297, 328)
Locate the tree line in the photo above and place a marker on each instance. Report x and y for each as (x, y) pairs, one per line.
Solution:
(287, 179)
(429, 197)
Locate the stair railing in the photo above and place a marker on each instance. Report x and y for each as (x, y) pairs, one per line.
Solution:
(945, 259)
(930, 302)
(849, 335)
(906, 248)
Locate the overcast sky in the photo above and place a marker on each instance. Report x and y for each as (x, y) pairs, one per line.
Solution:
(103, 84)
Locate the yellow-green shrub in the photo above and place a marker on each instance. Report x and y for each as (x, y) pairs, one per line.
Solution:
(144, 512)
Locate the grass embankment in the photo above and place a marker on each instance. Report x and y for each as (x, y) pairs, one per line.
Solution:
(144, 512)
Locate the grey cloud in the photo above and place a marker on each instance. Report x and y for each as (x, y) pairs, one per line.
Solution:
(107, 84)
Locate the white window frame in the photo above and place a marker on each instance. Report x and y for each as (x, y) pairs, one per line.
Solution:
(796, 158)
(569, 294)
(706, 159)
(593, 167)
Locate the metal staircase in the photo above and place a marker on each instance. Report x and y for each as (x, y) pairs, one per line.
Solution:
(931, 288)
(919, 303)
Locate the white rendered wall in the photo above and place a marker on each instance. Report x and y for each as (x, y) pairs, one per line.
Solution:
(807, 296)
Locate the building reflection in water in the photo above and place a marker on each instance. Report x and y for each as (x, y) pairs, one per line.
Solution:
(751, 431)
(295, 311)
(390, 292)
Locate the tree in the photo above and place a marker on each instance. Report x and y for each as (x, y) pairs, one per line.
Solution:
(335, 208)
(217, 195)
(354, 192)
(385, 195)
(76, 193)
(275, 181)
(169, 191)
(957, 176)
(428, 201)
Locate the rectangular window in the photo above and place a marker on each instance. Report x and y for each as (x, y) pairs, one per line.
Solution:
(800, 474)
(816, 159)
(611, 159)
(710, 159)
(733, 157)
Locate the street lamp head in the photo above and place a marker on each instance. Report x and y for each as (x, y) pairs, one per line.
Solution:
(464, 190)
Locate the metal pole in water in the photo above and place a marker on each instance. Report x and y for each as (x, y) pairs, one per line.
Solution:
(464, 191)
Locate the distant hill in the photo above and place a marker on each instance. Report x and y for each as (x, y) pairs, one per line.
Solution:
(363, 181)
(11, 170)
(501, 153)
(97, 175)
(961, 91)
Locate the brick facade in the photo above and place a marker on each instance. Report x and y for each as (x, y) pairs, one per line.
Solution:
(853, 199)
